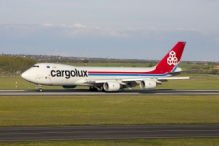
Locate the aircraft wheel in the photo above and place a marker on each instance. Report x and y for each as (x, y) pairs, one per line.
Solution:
(40, 90)
(93, 89)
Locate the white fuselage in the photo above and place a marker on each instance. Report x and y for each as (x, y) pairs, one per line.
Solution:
(59, 74)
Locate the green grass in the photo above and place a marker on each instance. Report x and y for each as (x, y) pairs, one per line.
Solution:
(162, 142)
(107, 110)
(196, 82)
(110, 64)
(10, 83)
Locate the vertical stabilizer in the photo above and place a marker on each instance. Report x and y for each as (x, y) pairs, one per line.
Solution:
(172, 59)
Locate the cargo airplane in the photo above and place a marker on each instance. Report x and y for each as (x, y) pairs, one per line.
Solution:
(107, 78)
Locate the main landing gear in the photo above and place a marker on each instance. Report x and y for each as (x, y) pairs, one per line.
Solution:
(39, 88)
(93, 89)
(96, 89)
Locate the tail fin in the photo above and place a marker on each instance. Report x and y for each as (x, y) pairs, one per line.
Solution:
(172, 59)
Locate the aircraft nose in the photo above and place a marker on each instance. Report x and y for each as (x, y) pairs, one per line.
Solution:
(27, 75)
(24, 75)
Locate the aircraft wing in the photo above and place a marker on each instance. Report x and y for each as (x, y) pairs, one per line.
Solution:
(135, 79)
(159, 79)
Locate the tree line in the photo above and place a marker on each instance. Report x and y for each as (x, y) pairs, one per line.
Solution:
(15, 65)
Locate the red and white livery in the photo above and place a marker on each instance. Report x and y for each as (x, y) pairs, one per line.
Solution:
(107, 78)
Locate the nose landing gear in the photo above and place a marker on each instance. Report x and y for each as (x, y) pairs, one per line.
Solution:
(39, 88)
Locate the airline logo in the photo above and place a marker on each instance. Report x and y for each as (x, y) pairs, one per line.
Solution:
(69, 73)
(172, 59)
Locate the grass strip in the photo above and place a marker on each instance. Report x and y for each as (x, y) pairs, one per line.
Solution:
(142, 142)
(107, 110)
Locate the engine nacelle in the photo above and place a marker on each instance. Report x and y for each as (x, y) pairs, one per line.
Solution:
(68, 87)
(148, 84)
(111, 86)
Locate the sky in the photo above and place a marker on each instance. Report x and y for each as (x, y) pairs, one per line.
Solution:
(124, 29)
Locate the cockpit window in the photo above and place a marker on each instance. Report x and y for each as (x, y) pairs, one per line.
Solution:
(35, 66)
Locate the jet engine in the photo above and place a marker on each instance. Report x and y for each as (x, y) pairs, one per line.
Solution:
(68, 87)
(148, 84)
(111, 86)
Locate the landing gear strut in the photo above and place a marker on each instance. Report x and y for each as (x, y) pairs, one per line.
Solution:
(103, 90)
(39, 88)
(93, 89)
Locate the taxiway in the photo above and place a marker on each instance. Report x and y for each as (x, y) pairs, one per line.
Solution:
(14, 134)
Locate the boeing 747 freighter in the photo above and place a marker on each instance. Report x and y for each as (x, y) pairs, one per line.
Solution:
(107, 78)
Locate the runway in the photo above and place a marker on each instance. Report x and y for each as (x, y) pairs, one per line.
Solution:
(63, 92)
(14, 134)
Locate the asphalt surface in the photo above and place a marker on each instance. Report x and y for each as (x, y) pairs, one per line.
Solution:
(16, 134)
(59, 92)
